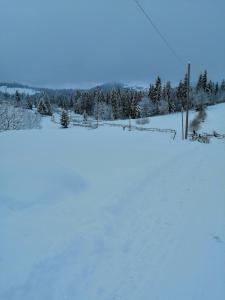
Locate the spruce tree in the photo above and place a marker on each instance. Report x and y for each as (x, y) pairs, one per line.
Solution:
(222, 87)
(44, 108)
(216, 90)
(158, 89)
(151, 92)
(199, 84)
(167, 91)
(185, 88)
(179, 91)
(64, 119)
(29, 105)
(210, 87)
(48, 108)
(156, 93)
(205, 80)
(18, 99)
(114, 102)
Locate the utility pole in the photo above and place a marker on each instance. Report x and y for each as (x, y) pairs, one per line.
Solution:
(97, 113)
(182, 116)
(188, 99)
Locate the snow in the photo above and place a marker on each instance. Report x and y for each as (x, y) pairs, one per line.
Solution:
(214, 121)
(12, 90)
(108, 214)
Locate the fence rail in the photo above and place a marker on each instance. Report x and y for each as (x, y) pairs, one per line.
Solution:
(93, 125)
(139, 128)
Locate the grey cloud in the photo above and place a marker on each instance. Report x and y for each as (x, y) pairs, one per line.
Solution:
(57, 43)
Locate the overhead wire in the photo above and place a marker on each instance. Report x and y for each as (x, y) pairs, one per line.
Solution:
(162, 36)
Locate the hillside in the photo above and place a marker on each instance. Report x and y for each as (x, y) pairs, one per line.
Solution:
(11, 90)
(112, 214)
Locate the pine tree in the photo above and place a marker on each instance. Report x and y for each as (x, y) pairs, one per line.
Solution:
(29, 105)
(48, 108)
(179, 91)
(151, 92)
(166, 92)
(64, 119)
(216, 90)
(155, 93)
(199, 84)
(126, 104)
(18, 99)
(71, 103)
(114, 103)
(44, 108)
(40, 107)
(222, 87)
(185, 88)
(134, 109)
(209, 87)
(158, 89)
(167, 96)
(204, 80)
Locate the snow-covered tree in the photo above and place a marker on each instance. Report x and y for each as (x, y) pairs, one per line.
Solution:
(44, 108)
(199, 83)
(204, 80)
(15, 118)
(18, 99)
(64, 120)
(29, 105)
(222, 87)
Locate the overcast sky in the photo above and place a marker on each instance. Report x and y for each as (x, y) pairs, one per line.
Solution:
(63, 43)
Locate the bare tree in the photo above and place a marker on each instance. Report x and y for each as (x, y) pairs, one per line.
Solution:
(14, 118)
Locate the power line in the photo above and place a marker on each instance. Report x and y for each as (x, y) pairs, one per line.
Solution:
(149, 18)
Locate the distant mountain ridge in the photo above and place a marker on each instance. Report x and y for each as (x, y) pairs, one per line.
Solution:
(11, 87)
(17, 85)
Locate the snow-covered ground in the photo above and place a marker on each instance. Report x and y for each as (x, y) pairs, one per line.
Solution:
(109, 214)
(214, 121)
(12, 90)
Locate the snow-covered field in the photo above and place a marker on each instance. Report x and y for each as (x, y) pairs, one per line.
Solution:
(12, 90)
(109, 214)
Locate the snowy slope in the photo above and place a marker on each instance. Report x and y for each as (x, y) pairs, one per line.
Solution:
(12, 90)
(214, 121)
(112, 214)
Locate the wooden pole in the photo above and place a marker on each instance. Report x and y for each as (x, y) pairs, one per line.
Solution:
(188, 99)
(97, 113)
(182, 116)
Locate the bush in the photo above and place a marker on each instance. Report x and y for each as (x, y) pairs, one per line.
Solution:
(64, 119)
(142, 121)
(15, 118)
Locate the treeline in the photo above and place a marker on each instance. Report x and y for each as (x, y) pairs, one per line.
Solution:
(122, 103)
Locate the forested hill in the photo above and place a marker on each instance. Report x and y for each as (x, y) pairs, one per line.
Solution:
(118, 101)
